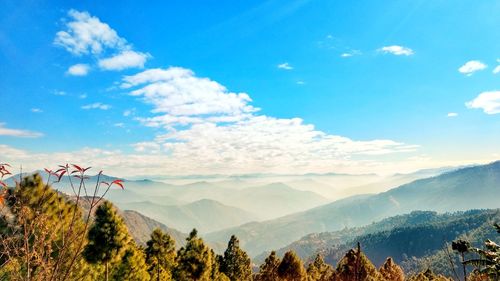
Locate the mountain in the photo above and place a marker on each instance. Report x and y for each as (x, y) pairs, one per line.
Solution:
(266, 201)
(205, 215)
(475, 187)
(277, 199)
(141, 227)
(411, 235)
(413, 245)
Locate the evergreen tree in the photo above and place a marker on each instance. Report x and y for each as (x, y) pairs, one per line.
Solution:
(43, 218)
(318, 270)
(194, 261)
(291, 268)
(355, 266)
(390, 271)
(268, 271)
(160, 255)
(108, 236)
(462, 247)
(216, 274)
(236, 264)
(428, 275)
(131, 266)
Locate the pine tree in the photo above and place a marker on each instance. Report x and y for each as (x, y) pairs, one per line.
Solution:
(390, 271)
(108, 237)
(160, 255)
(462, 247)
(428, 275)
(216, 274)
(291, 268)
(268, 271)
(131, 266)
(236, 264)
(194, 261)
(44, 217)
(355, 266)
(318, 270)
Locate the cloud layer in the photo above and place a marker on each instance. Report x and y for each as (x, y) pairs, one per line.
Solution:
(202, 127)
(4, 131)
(126, 59)
(209, 127)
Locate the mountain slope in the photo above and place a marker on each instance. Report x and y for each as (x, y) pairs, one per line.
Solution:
(468, 188)
(205, 215)
(266, 201)
(415, 234)
(141, 227)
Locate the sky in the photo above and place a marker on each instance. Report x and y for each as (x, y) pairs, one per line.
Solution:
(236, 87)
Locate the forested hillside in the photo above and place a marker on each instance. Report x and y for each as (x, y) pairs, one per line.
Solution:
(48, 235)
(467, 188)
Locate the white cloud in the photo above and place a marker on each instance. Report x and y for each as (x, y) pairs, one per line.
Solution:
(126, 59)
(183, 98)
(350, 53)
(397, 50)
(129, 112)
(82, 96)
(36, 110)
(452, 114)
(87, 34)
(300, 82)
(96, 105)
(497, 69)
(18, 133)
(285, 66)
(80, 69)
(59, 93)
(203, 120)
(489, 102)
(149, 146)
(472, 66)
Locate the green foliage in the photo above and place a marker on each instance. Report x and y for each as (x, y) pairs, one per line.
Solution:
(160, 255)
(318, 270)
(194, 261)
(216, 273)
(291, 268)
(488, 262)
(107, 237)
(236, 264)
(41, 232)
(419, 240)
(268, 271)
(132, 266)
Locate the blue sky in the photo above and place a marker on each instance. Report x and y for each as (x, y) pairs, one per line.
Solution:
(183, 87)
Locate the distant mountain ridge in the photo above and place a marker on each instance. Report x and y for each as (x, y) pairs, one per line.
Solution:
(204, 215)
(474, 187)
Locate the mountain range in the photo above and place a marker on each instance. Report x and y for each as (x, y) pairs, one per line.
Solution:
(474, 187)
